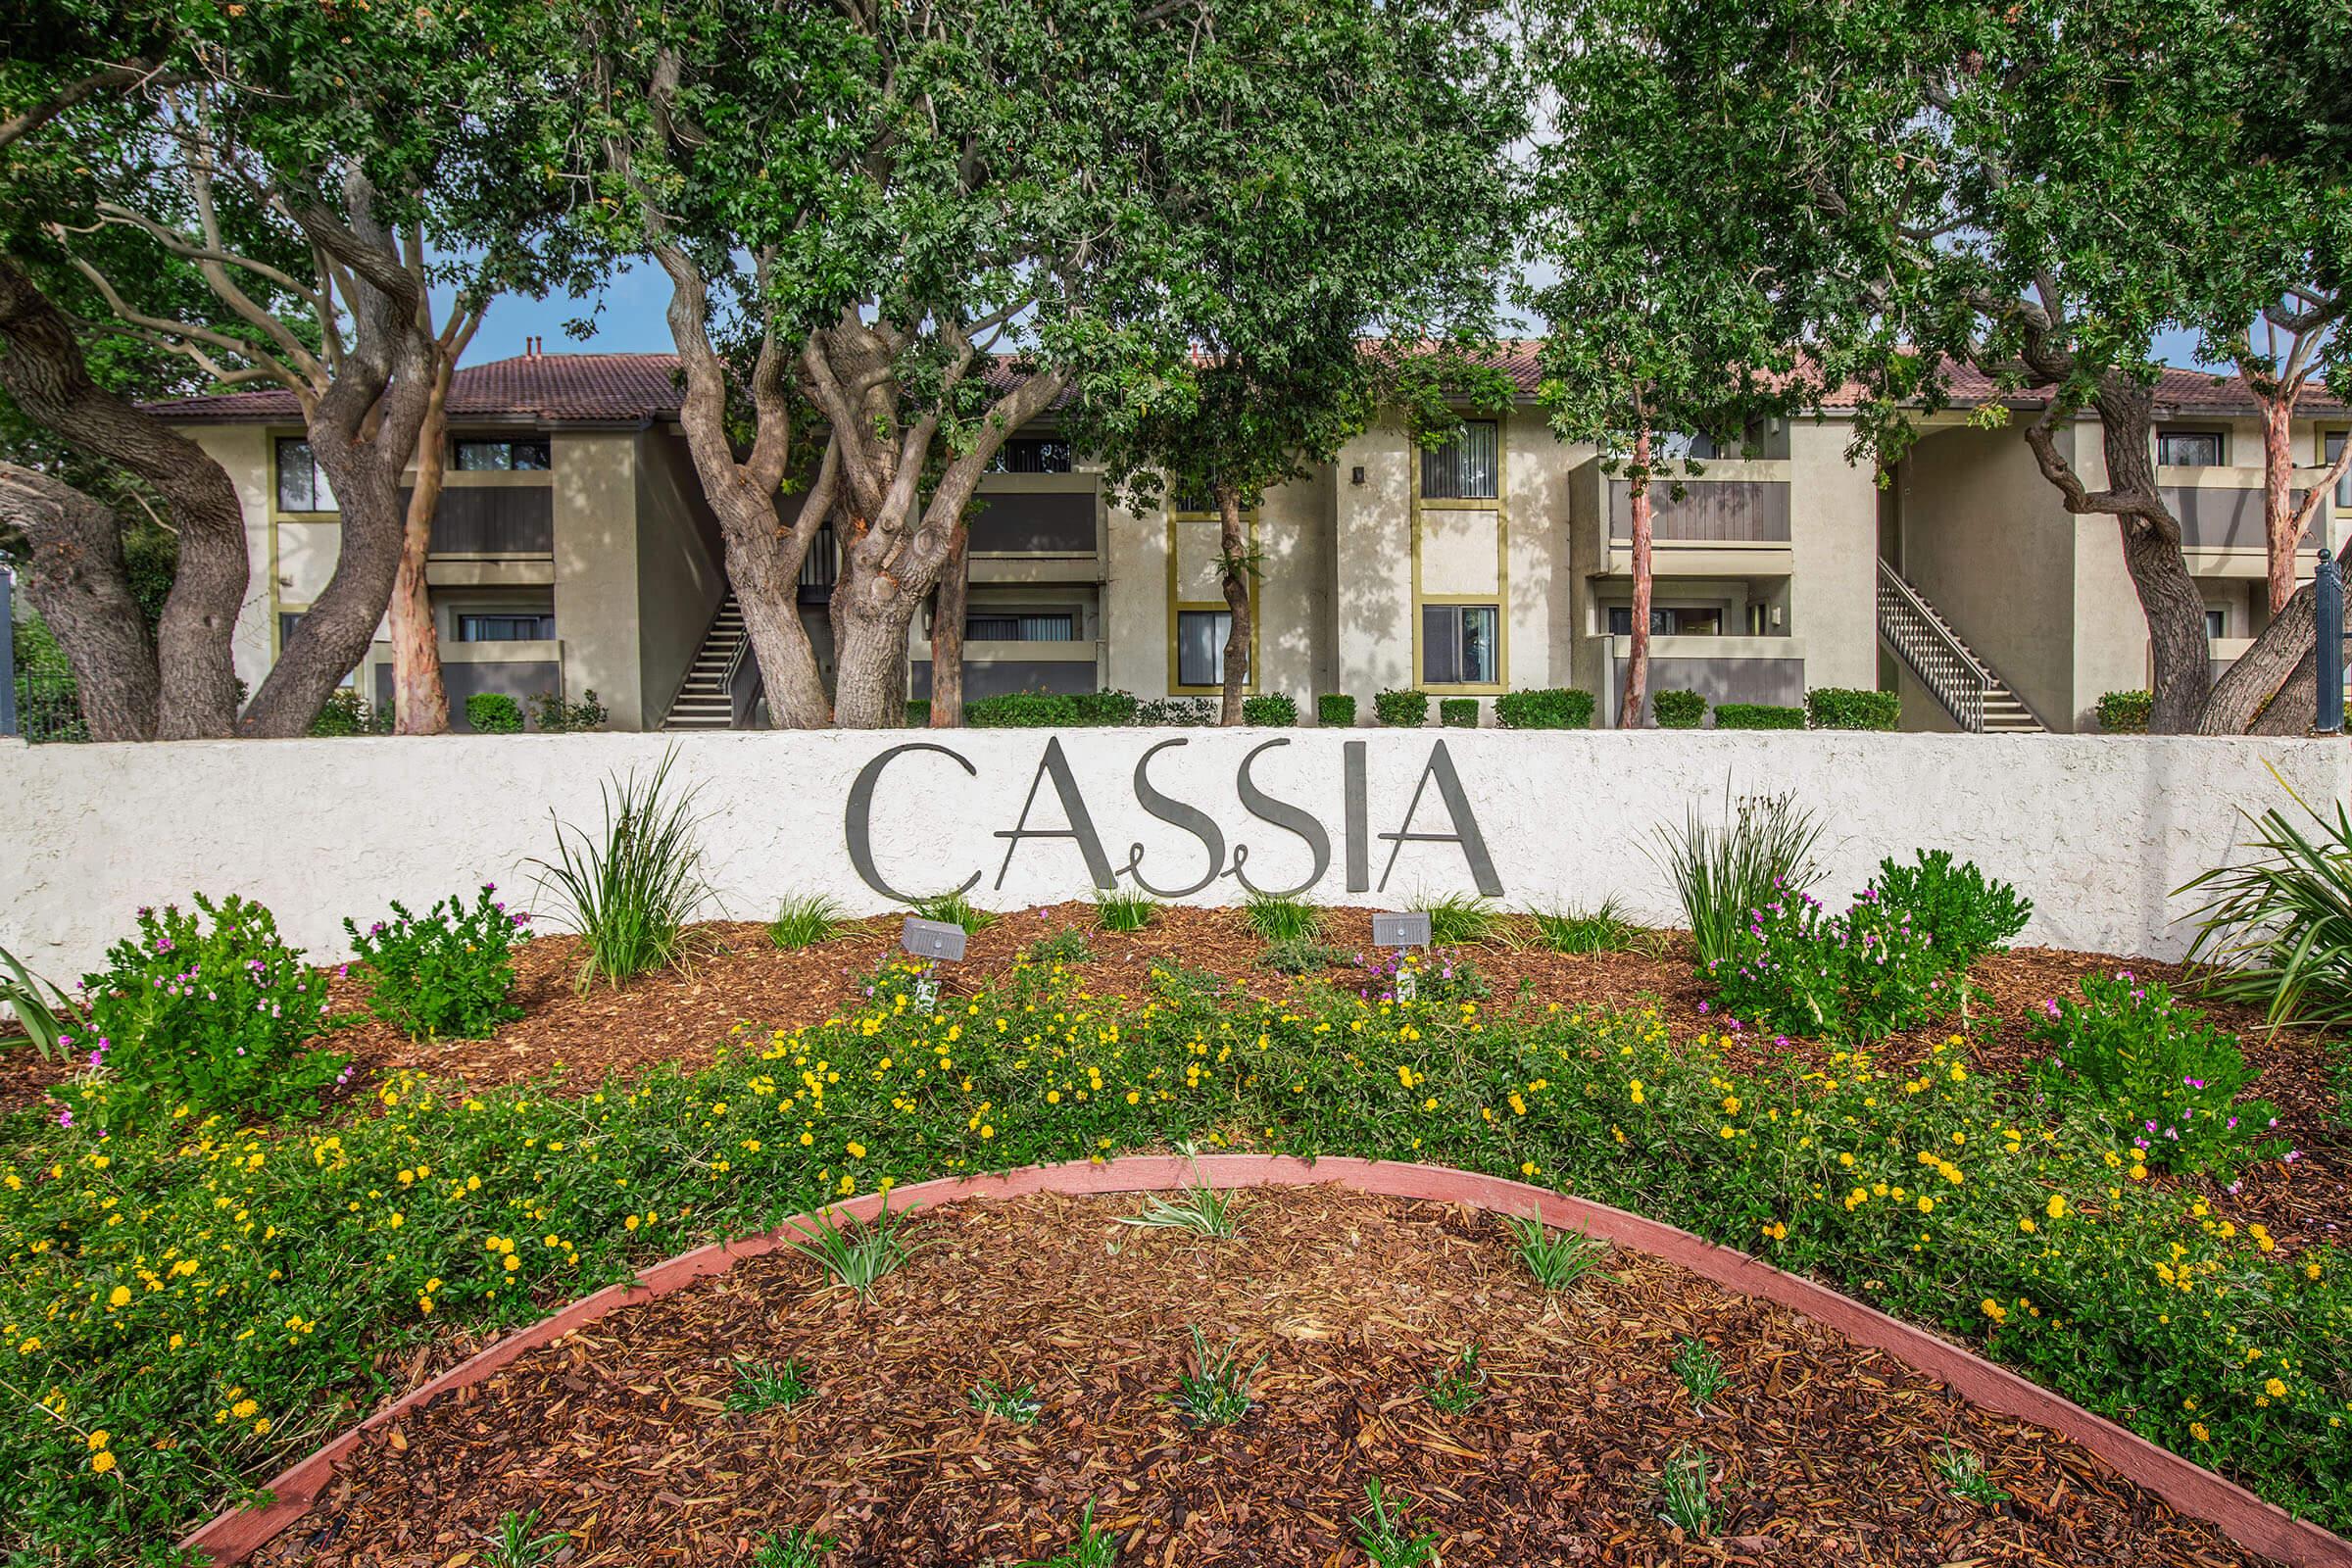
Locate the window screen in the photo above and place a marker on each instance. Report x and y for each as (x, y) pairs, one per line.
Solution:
(301, 485)
(1459, 644)
(2188, 449)
(1200, 638)
(1467, 467)
(531, 453)
(505, 626)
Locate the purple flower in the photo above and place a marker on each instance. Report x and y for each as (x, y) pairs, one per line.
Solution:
(65, 1118)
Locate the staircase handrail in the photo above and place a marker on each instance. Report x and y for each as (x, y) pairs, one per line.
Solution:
(1961, 691)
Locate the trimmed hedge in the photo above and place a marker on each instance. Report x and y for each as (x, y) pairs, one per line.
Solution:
(918, 713)
(1044, 710)
(2126, 712)
(1547, 708)
(1105, 707)
(1458, 712)
(494, 714)
(1181, 712)
(1758, 715)
(1275, 710)
(1851, 707)
(1335, 709)
(1403, 710)
(1678, 710)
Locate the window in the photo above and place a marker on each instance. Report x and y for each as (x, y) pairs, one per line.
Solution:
(2188, 449)
(2334, 450)
(507, 626)
(1032, 454)
(1018, 626)
(2217, 623)
(530, 455)
(1459, 644)
(1200, 639)
(1673, 620)
(287, 621)
(1467, 467)
(301, 486)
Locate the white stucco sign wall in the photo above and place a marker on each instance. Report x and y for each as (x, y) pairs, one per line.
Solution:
(2097, 831)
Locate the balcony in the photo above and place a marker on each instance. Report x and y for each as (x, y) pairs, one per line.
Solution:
(1035, 527)
(2220, 509)
(1732, 520)
(507, 520)
(1723, 669)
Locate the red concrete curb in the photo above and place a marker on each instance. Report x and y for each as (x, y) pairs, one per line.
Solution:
(2189, 1489)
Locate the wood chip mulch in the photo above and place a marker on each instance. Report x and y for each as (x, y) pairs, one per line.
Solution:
(622, 1435)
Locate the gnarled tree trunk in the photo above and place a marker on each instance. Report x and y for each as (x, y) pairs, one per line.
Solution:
(419, 698)
(74, 575)
(43, 370)
(1233, 546)
(950, 601)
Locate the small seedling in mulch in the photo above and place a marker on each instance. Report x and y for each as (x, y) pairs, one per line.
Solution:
(1684, 1489)
(1702, 1371)
(1124, 910)
(857, 1258)
(1093, 1548)
(1558, 1260)
(1302, 955)
(1461, 1386)
(1017, 1405)
(1604, 929)
(1215, 1391)
(793, 1548)
(516, 1543)
(761, 1387)
(1066, 945)
(953, 909)
(1202, 1210)
(1278, 918)
(1964, 1473)
(805, 921)
(1382, 1532)
(1458, 919)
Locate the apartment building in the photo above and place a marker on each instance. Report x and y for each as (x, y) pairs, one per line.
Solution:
(572, 549)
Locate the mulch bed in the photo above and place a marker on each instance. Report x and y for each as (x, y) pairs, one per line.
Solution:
(622, 1435)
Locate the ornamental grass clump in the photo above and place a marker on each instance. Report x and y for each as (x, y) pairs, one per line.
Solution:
(631, 891)
(207, 1010)
(1761, 850)
(2275, 929)
(2156, 1076)
(449, 972)
(805, 919)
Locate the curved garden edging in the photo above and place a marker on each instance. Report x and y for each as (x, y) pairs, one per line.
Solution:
(2189, 1489)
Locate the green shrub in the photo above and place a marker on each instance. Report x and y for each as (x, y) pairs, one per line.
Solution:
(1272, 711)
(1187, 713)
(1851, 707)
(1548, 707)
(1678, 710)
(1859, 976)
(955, 908)
(1066, 945)
(918, 713)
(805, 919)
(1426, 975)
(1758, 715)
(630, 892)
(346, 712)
(1401, 710)
(448, 972)
(1965, 915)
(1303, 954)
(1107, 707)
(1762, 850)
(1278, 918)
(1335, 711)
(1023, 710)
(1458, 712)
(208, 1010)
(1456, 919)
(2276, 926)
(1603, 929)
(2155, 1075)
(551, 714)
(494, 714)
(1123, 908)
(2126, 712)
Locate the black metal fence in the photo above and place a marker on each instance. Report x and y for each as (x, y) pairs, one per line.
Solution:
(48, 709)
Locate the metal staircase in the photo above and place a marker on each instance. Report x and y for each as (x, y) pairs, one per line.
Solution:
(704, 699)
(1968, 687)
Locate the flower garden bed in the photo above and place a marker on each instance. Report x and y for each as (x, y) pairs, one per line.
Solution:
(189, 1303)
(657, 1433)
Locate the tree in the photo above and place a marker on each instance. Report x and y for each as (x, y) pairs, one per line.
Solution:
(1664, 322)
(2023, 192)
(1357, 266)
(305, 164)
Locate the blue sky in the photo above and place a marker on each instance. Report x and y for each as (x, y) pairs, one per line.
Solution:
(630, 322)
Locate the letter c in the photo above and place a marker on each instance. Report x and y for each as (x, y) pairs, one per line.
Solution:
(858, 822)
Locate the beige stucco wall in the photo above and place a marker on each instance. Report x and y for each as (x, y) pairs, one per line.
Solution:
(1833, 544)
(681, 568)
(597, 570)
(1985, 541)
(243, 453)
(1372, 572)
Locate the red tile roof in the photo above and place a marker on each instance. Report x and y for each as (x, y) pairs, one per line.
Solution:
(610, 388)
